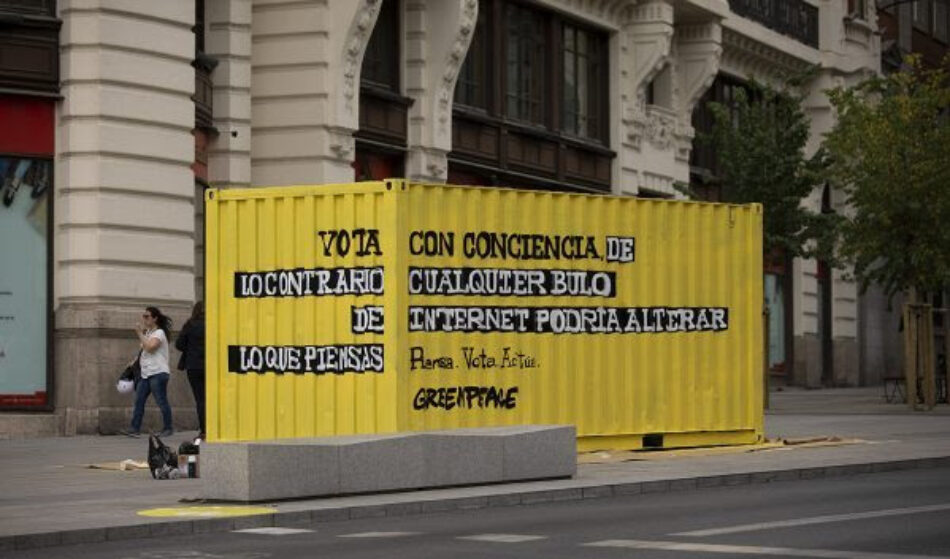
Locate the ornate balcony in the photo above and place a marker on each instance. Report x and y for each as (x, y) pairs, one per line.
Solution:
(794, 18)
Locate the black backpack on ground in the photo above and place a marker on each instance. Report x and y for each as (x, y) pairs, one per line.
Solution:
(161, 460)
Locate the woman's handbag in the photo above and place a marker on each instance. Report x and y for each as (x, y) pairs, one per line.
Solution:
(133, 372)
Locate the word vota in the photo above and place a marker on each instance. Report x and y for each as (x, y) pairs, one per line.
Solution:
(318, 359)
(309, 282)
(516, 246)
(510, 282)
(568, 320)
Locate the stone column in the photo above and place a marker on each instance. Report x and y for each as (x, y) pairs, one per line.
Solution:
(645, 50)
(305, 76)
(698, 51)
(124, 195)
(438, 34)
(228, 40)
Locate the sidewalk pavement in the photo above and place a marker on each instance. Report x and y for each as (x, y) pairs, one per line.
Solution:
(49, 496)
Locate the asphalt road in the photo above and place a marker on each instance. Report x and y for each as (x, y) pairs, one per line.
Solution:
(875, 516)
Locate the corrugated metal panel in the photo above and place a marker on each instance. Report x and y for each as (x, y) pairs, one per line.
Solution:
(608, 384)
(698, 386)
(264, 230)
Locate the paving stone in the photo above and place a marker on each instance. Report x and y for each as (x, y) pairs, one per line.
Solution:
(682, 484)
(295, 519)
(212, 525)
(8, 543)
(403, 509)
(91, 535)
(117, 533)
(598, 492)
(329, 515)
(443, 505)
(504, 500)
(35, 541)
(624, 489)
(253, 521)
(174, 528)
(368, 511)
(655, 486)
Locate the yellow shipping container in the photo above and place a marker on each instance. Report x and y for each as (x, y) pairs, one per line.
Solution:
(393, 306)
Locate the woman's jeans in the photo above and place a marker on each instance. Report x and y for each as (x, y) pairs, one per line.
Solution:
(156, 385)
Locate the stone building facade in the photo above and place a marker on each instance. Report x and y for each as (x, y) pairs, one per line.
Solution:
(151, 102)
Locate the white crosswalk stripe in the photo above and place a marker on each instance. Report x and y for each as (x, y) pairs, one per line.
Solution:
(502, 538)
(814, 520)
(377, 534)
(754, 550)
(273, 531)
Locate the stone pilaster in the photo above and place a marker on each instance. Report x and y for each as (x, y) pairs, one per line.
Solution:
(435, 53)
(228, 39)
(124, 231)
(698, 51)
(305, 75)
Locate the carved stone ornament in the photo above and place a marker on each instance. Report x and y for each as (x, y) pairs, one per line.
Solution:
(634, 121)
(355, 44)
(465, 31)
(656, 125)
(342, 144)
(659, 128)
(684, 135)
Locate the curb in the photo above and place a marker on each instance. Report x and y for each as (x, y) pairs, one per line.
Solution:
(306, 518)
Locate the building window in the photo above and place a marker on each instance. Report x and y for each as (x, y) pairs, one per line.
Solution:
(857, 9)
(381, 60)
(31, 7)
(538, 82)
(704, 164)
(659, 91)
(474, 82)
(920, 12)
(794, 18)
(383, 117)
(941, 16)
(26, 180)
(581, 82)
(525, 83)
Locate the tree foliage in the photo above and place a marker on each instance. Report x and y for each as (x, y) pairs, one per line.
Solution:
(760, 143)
(890, 152)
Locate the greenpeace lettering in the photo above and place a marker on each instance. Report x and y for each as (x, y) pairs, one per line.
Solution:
(312, 282)
(568, 320)
(318, 359)
(466, 397)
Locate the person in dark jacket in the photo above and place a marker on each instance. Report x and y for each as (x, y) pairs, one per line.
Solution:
(191, 343)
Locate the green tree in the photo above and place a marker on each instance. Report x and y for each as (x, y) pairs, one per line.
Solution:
(760, 143)
(890, 152)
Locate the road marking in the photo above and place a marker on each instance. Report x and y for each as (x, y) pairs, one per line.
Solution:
(502, 538)
(755, 550)
(214, 511)
(273, 531)
(813, 520)
(377, 534)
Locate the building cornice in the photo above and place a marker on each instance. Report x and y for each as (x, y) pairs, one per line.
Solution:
(746, 56)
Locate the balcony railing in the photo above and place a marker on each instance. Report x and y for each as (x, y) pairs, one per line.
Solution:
(794, 18)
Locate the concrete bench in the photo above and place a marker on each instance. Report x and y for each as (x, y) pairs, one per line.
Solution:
(313, 467)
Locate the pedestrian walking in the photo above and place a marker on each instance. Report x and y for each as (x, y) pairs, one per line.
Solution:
(153, 332)
(191, 343)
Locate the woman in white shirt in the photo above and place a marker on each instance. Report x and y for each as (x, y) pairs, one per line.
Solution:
(153, 335)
